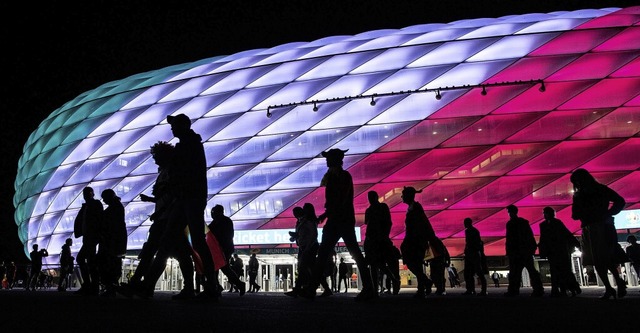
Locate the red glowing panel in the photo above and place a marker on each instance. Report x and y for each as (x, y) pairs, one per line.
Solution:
(616, 19)
(599, 64)
(564, 157)
(572, 42)
(556, 126)
(496, 248)
(627, 187)
(634, 102)
(625, 156)
(504, 191)
(455, 246)
(474, 103)
(623, 122)
(443, 193)
(499, 160)
(533, 100)
(605, 93)
(435, 164)
(532, 68)
(628, 70)
(629, 39)
(450, 222)
(558, 192)
(428, 134)
(379, 165)
(491, 129)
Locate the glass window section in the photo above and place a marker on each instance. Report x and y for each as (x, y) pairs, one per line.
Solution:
(453, 52)
(66, 220)
(371, 137)
(137, 213)
(301, 118)
(257, 148)
(123, 165)
(44, 201)
(435, 163)
(119, 143)
(533, 100)
(468, 74)
(564, 157)
(338, 48)
(116, 121)
(493, 30)
(504, 191)
(532, 68)
(599, 64)
(349, 85)
(338, 65)
(237, 79)
(605, 93)
(129, 188)
(247, 125)
(232, 203)
(193, 87)
(154, 115)
(220, 177)
(630, 69)
(415, 107)
(89, 169)
(375, 167)
(628, 39)
(445, 192)
(293, 92)
(215, 151)
(492, 129)
(242, 101)
(556, 126)
(629, 193)
(85, 149)
(623, 122)
(473, 103)
(625, 156)
(61, 175)
(263, 176)
(428, 134)
(560, 24)
(408, 79)
(269, 204)
(499, 160)
(385, 42)
(137, 238)
(285, 72)
(439, 36)
(152, 95)
(208, 127)
(310, 144)
(558, 192)
(512, 47)
(308, 175)
(575, 42)
(49, 223)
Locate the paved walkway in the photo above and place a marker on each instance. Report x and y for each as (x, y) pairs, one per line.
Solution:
(41, 311)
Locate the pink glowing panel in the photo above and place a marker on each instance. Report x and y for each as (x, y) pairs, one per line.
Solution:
(574, 42)
(533, 100)
(564, 214)
(623, 122)
(627, 187)
(444, 193)
(532, 68)
(556, 126)
(428, 134)
(474, 103)
(449, 223)
(397, 227)
(455, 246)
(499, 160)
(379, 165)
(634, 102)
(492, 129)
(617, 19)
(494, 248)
(389, 193)
(628, 70)
(504, 191)
(605, 93)
(435, 164)
(564, 157)
(599, 64)
(629, 39)
(559, 192)
(625, 156)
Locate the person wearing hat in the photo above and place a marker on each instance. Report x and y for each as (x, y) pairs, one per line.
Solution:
(341, 221)
(416, 240)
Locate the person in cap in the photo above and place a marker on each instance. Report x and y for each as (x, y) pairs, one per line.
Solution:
(340, 215)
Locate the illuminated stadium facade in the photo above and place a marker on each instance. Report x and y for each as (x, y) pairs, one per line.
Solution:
(471, 153)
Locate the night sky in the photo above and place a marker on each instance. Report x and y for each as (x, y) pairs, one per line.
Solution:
(57, 50)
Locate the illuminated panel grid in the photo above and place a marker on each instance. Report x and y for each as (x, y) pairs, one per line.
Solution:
(472, 154)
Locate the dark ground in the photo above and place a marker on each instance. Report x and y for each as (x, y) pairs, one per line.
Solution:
(42, 311)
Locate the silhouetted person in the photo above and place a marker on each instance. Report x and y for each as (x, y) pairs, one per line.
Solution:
(377, 244)
(416, 240)
(341, 222)
(343, 275)
(557, 244)
(11, 274)
(334, 273)
(306, 238)
(237, 266)
(438, 265)
(36, 266)
(328, 270)
(113, 243)
(87, 225)
(66, 265)
(496, 279)
(189, 183)
(595, 204)
(254, 267)
(473, 250)
(520, 248)
(222, 228)
(633, 251)
(453, 276)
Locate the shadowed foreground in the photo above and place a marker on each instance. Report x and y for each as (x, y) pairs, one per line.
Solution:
(272, 312)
